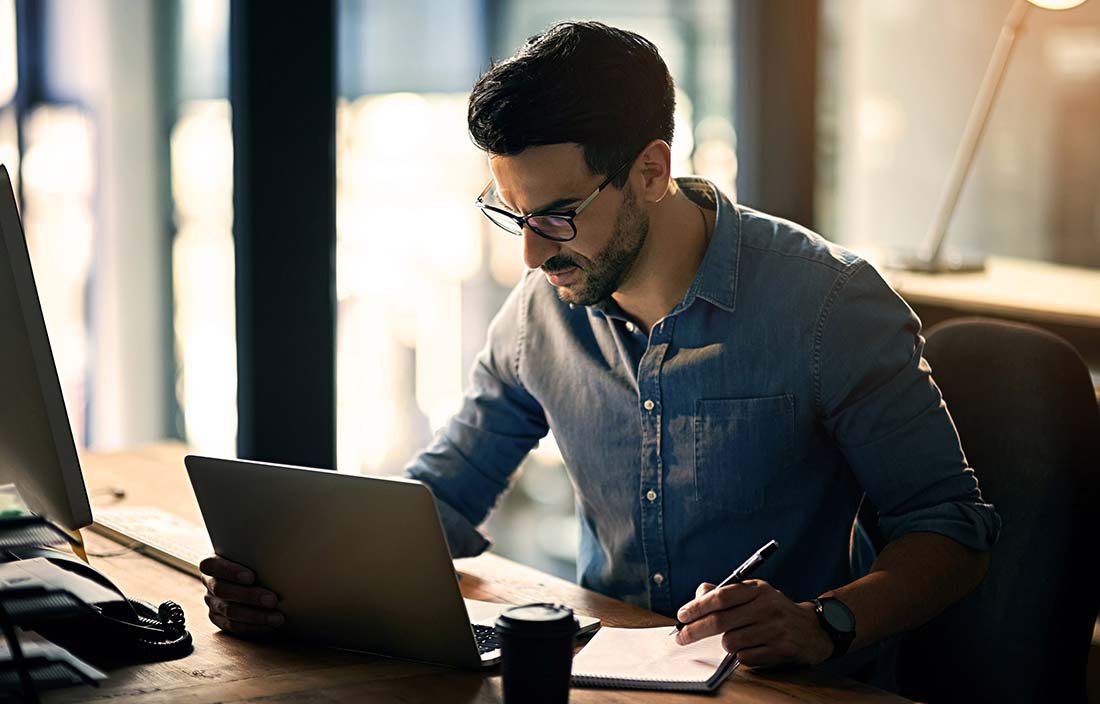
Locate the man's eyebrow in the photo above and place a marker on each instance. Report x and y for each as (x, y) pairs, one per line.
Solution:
(552, 205)
(557, 204)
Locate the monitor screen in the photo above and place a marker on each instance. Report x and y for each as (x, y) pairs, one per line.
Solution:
(37, 452)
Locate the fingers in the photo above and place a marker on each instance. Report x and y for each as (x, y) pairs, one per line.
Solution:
(241, 618)
(221, 568)
(703, 589)
(754, 637)
(239, 628)
(758, 624)
(242, 613)
(234, 604)
(727, 597)
(229, 591)
(762, 656)
(716, 622)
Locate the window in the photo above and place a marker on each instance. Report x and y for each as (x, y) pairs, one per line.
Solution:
(93, 206)
(57, 212)
(203, 273)
(9, 81)
(54, 177)
(411, 295)
(893, 109)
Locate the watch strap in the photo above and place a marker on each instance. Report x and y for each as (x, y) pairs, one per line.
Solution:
(842, 640)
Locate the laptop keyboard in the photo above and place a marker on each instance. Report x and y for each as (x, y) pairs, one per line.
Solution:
(486, 637)
(161, 535)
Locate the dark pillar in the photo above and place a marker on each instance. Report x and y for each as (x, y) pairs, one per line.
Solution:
(283, 94)
(167, 15)
(776, 50)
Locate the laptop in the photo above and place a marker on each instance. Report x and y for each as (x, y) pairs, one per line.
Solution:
(357, 562)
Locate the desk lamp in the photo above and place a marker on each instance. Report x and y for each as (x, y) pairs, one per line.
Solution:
(932, 258)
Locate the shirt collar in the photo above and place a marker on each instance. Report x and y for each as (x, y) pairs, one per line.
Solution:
(716, 279)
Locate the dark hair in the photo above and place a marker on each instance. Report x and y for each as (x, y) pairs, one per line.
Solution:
(583, 82)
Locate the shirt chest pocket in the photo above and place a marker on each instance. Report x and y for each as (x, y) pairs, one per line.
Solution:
(742, 447)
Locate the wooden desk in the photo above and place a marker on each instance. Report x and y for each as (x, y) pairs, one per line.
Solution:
(1062, 299)
(1018, 289)
(228, 669)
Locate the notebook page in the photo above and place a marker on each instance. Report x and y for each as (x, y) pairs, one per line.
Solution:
(648, 655)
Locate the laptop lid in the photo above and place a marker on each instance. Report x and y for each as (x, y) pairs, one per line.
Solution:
(357, 562)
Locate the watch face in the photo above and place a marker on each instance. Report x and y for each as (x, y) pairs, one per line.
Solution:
(838, 615)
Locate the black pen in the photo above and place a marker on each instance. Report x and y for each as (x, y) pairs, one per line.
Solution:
(747, 567)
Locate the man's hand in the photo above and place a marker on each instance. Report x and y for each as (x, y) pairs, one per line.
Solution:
(760, 625)
(236, 604)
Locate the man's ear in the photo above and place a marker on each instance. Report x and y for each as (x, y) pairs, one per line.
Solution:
(655, 164)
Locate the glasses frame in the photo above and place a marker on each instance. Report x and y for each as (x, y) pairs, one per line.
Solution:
(567, 215)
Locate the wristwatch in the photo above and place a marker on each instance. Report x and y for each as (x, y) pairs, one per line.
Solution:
(838, 622)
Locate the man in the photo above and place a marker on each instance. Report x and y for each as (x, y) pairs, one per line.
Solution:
(715, 378)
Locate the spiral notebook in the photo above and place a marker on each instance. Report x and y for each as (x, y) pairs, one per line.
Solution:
(649, 658)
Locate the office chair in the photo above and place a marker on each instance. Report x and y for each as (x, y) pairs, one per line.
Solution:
(1025, 410)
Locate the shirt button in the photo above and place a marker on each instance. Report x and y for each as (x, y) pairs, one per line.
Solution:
(658, 578)
(630, 327)
(648, 405)
(651, 495)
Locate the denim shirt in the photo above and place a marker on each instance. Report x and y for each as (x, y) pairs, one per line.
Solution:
(786, 383)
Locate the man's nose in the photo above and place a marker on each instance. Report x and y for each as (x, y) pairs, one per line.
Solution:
(536, 249)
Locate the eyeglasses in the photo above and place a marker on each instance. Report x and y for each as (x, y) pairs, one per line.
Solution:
(556, 225)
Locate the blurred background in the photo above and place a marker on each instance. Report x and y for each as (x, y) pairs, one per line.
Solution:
(117, 127)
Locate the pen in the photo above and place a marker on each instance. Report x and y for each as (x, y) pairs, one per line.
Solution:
(747, 567)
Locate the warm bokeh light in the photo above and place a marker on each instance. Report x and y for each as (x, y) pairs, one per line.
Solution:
(715, 155)
(9, 76)
(408, 238)
(1056, 4)
(9, 146)
(203, 276)
(683, 139)
(58, 184)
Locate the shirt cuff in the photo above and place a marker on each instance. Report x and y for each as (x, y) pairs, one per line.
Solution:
(463, 538)
(975, 525)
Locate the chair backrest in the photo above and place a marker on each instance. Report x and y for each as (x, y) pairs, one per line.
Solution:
(1025, 409)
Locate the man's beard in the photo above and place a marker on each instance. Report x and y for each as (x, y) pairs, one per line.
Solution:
(606, 271)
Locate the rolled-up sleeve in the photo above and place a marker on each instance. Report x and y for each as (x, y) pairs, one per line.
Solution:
(877, 399)
(470, 462)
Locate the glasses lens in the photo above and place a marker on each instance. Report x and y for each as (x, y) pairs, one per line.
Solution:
(552, 226)
(503, 221)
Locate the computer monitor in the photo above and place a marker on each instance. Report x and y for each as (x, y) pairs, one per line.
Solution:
(37, 451)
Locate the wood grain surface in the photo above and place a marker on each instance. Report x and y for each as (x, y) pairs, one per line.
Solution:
(225, 668)
(1014, 288)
